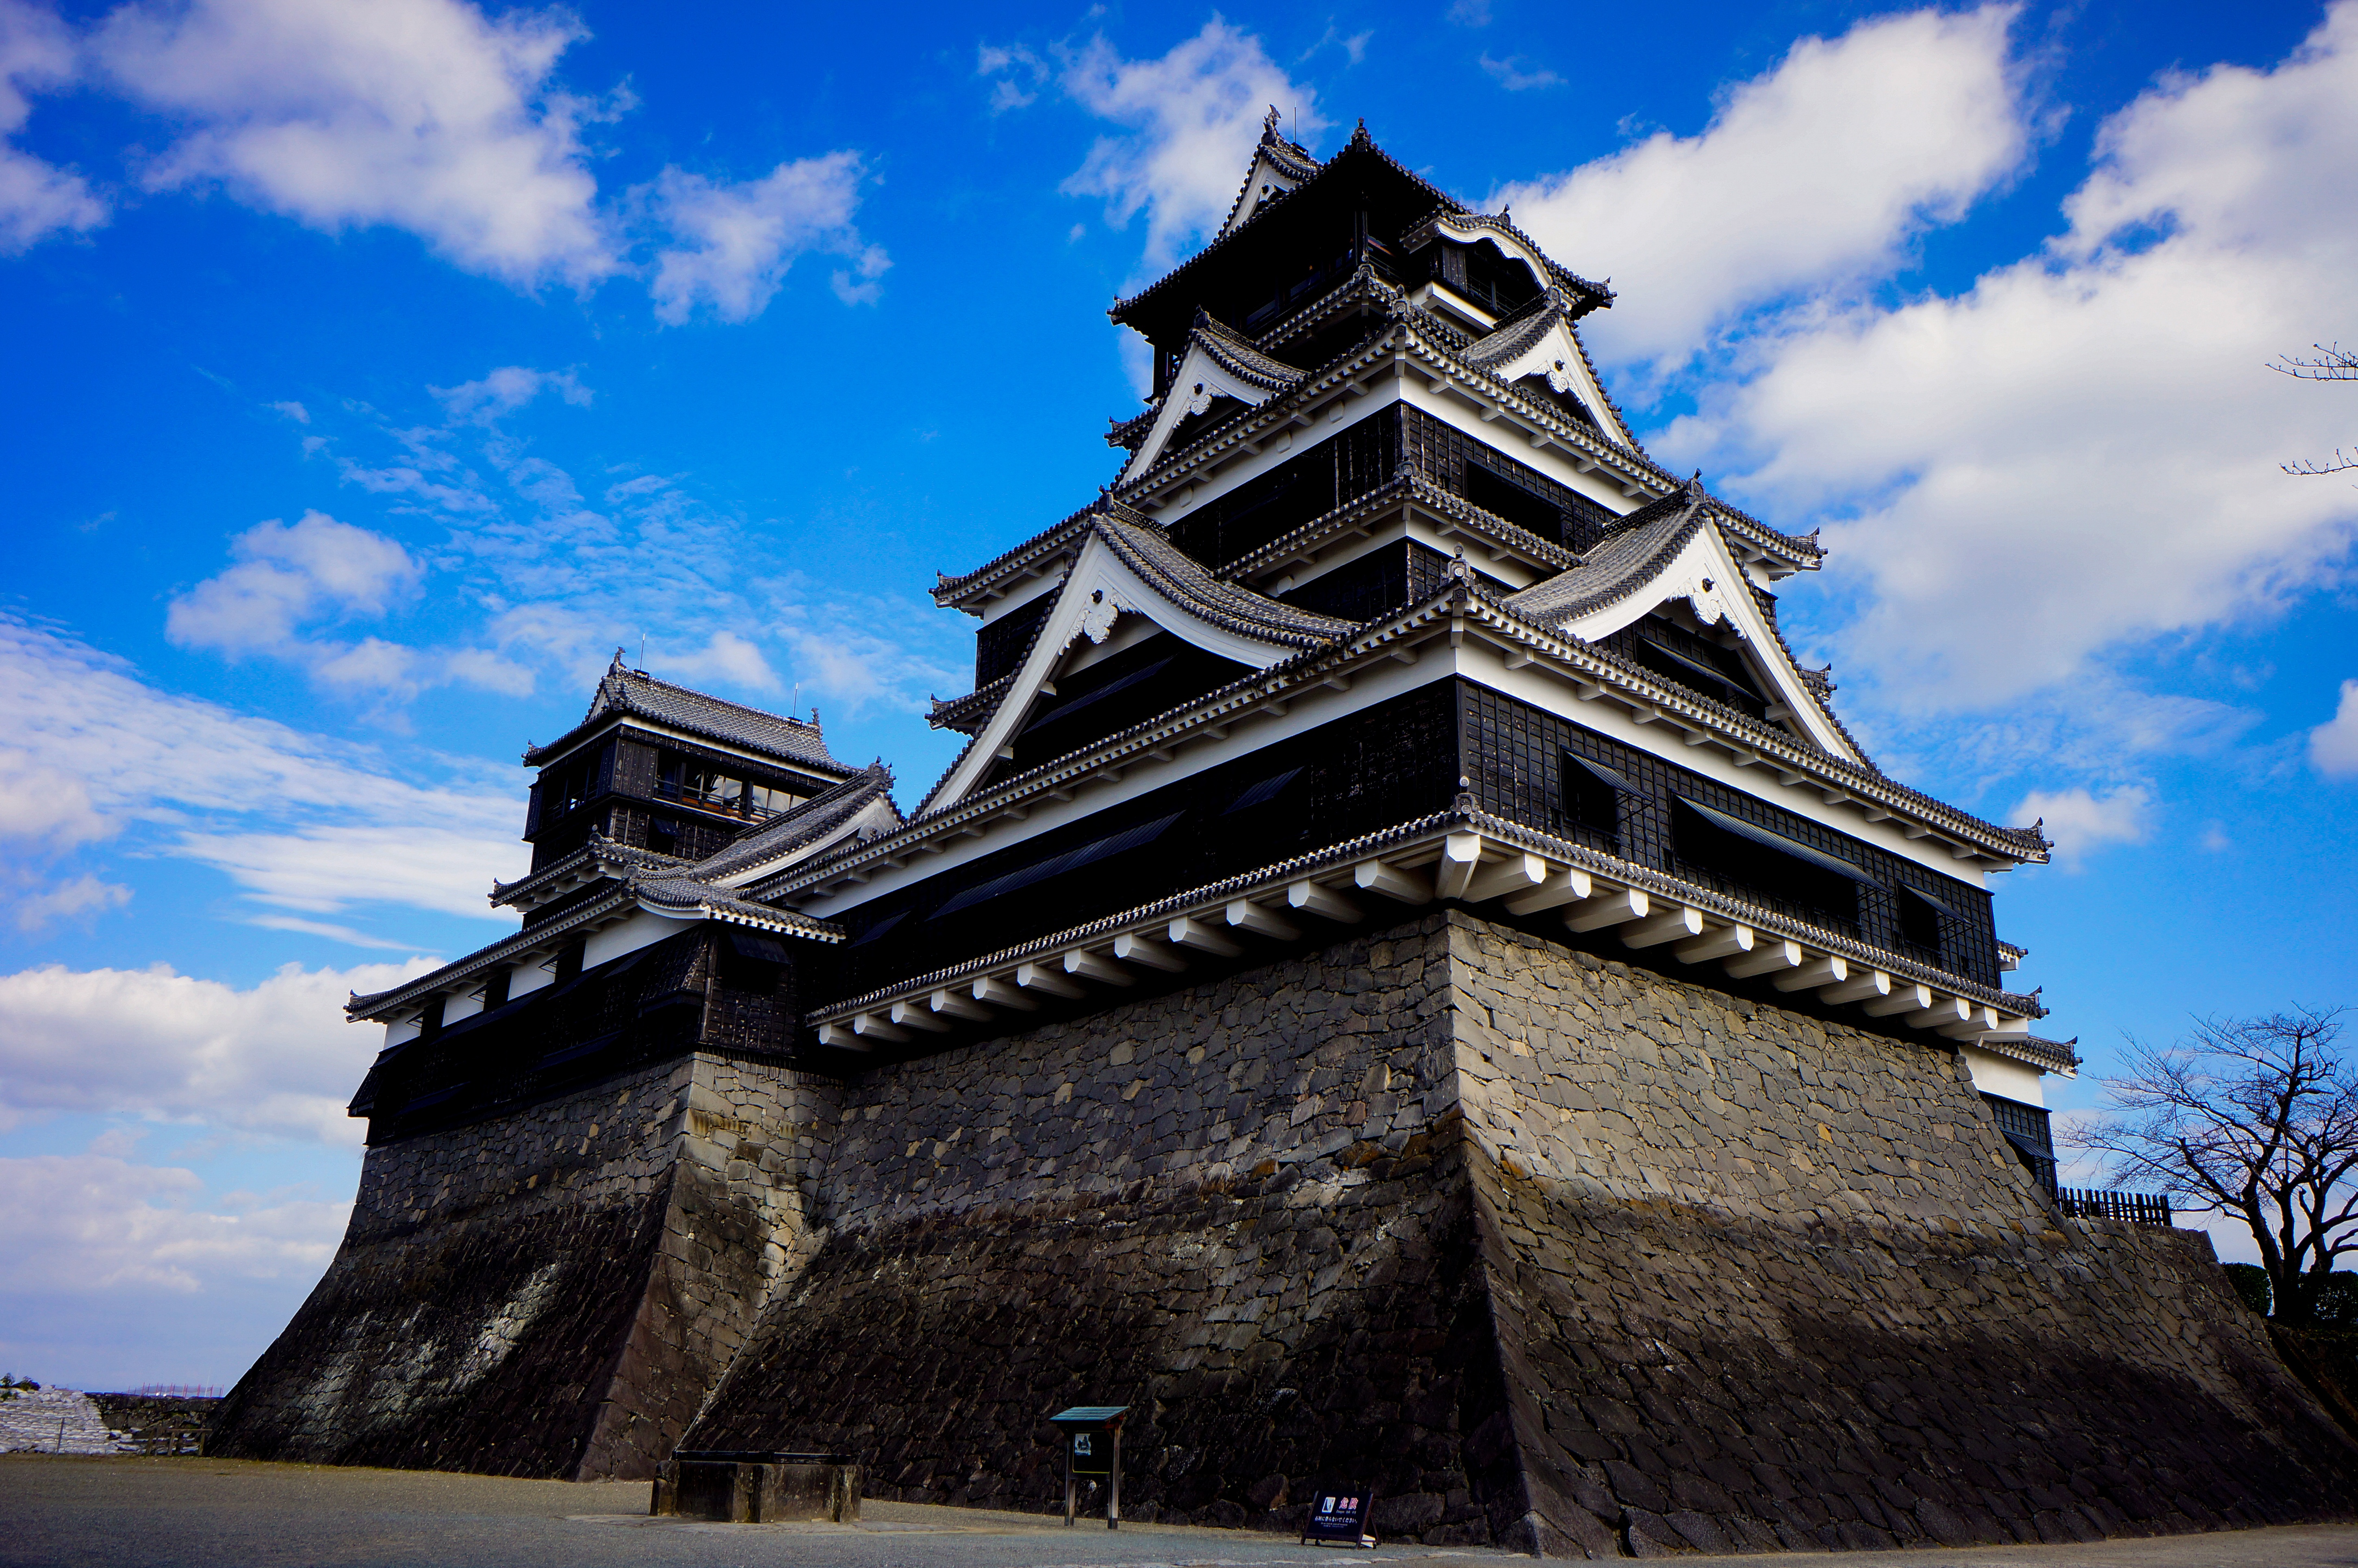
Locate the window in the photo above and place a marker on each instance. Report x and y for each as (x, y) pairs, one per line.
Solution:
(701, 783)
(1765, 863)
(429, 1022)
(1056, 865)
(1502, 497)
(2026, 1128)
(569, 962)
(495, 989)
(1919, 919)
(768, 800)
(1591, 795)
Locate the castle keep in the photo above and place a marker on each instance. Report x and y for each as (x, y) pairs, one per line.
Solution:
(1408, 981)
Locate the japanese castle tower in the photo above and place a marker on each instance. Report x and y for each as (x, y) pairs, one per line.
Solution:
(1409, 982)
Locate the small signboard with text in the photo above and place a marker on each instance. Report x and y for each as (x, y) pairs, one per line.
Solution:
(1092, 1453)
(1338, 1514)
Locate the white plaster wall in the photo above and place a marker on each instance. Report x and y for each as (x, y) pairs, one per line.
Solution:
(640, 930)
(2008, 1078)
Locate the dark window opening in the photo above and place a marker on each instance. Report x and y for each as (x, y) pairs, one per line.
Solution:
(495, 989)
(1696, 663)
(569, 961)
(2027, 1131)
(1298, 490)
(1592, 795)
(1315, 278)
(1496, 281)
(429, 1022)
(1112, 844)
(1263, 793)
(999, 646)
(1107, 697)
(1761, 861)
(1502, 497)
(710, 786)
(1920, 921)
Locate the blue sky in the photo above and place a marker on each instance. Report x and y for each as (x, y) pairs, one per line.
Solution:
(376, 370)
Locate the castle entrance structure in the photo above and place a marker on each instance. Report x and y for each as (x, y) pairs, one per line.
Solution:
(1409, 983)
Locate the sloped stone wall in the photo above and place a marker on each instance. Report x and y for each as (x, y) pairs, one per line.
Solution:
(1763, 1281)
(1240, 1208)
(548, 1293)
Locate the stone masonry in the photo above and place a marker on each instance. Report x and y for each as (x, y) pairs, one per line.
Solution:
(550, 1294)
(1542, 1248)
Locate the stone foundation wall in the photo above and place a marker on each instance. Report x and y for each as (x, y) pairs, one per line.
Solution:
(549, 1293)
(1240, 1208)
(1765, 1282)
(1542, 1248)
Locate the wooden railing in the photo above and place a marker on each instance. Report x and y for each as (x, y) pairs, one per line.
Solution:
(2137, 1208)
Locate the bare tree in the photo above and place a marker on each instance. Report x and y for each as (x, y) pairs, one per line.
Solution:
(2255, 1117)
(2335, 363)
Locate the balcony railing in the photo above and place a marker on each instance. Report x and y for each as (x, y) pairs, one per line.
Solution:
(736, 810)
(2137, 1208)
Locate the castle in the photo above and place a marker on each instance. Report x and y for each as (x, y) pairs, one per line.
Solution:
(1409, 981)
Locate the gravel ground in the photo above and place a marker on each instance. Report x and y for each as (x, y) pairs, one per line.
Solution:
(62, 1512)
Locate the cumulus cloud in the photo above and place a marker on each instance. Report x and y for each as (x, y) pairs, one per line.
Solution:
(96, 1221)
(426, 115)
(36, 199)
(291, 580)
(2334, 745)
(725, 657)
(289, 575)
(732, 244)
(2081, 822)
(199, 780)
(1815, 174)
(2081, 452)
(1194, 116)
(275, 1059)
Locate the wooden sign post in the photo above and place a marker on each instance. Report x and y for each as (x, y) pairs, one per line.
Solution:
(1092, 1447)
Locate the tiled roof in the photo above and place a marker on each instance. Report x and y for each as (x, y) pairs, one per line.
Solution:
(637, 693)
(1516, 335)
(800, 824)
(1290, 158)
(1360, 143)
(1626, 560)
(1591, 295)
(1236, 353)
(1147, 551)
(607, 854)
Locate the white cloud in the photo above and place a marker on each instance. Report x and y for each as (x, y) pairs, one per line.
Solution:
(287, 576)
(36, 199)
(1469, 13)
(325, 867)
(1814, 175)
(499, 393)
(2080, 453)
(274, 1060)
(2080, 823)
(2334, 745)
(35, 908)
(726, 657)
(1014, 65)
(422, 114)
(1514, 75)
(43, 807)
(1196, 112)
(96, 1222)
(192, 776)
(732, 244)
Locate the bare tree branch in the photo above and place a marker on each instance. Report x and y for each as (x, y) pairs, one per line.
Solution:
(2253, 1117)
(2342, 462)
(2335, 363)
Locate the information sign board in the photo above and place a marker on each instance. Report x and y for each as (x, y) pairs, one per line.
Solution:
(1092, 1453)
(1339, 1513)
